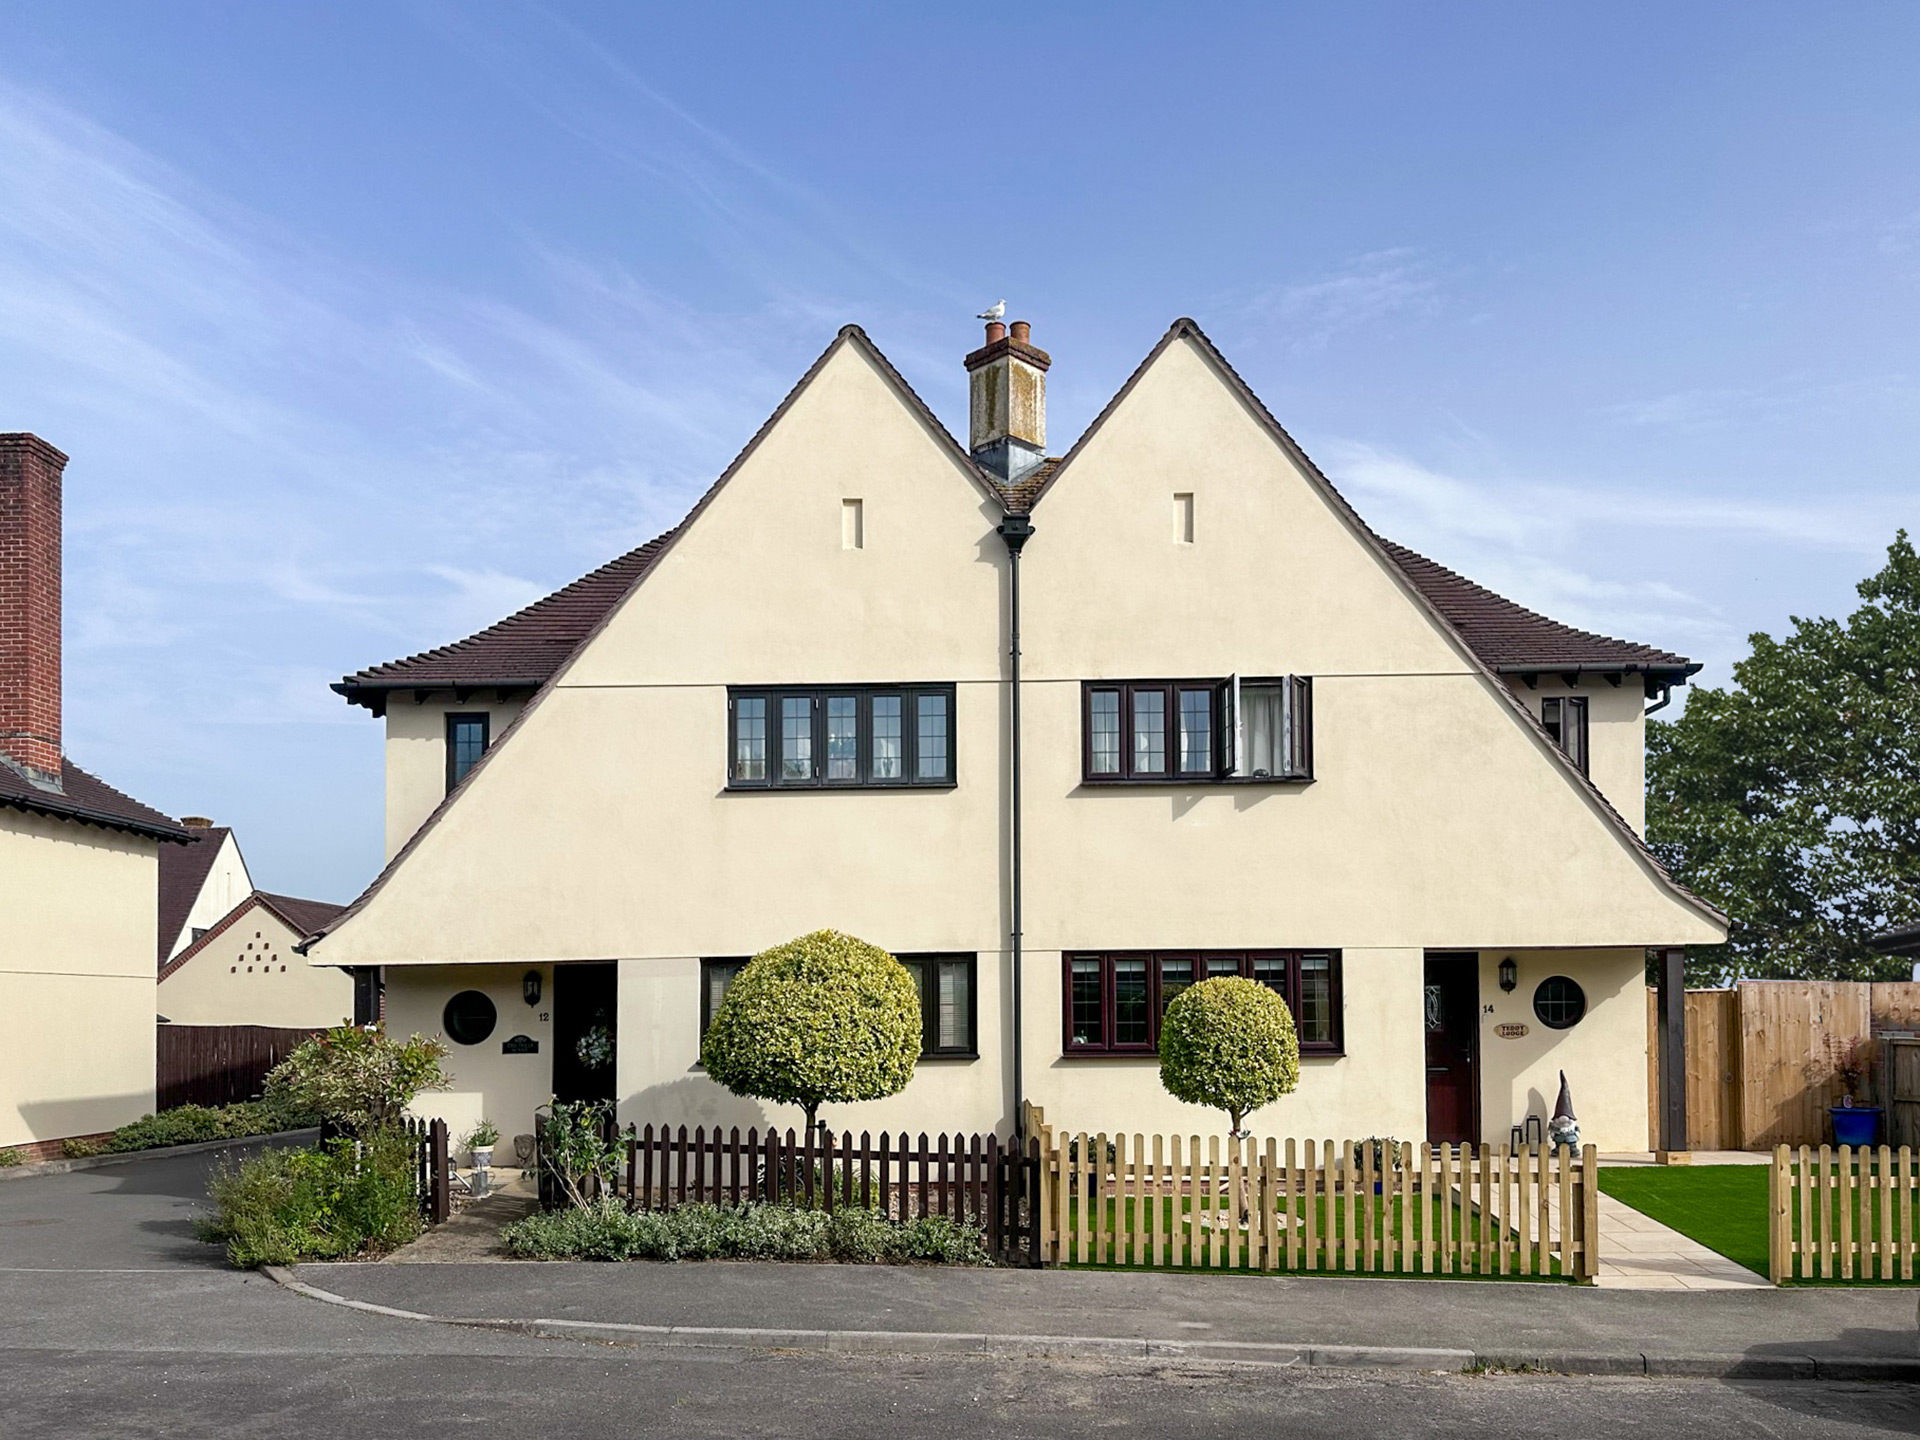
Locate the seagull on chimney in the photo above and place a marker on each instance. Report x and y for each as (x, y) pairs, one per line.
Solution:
(993, 311)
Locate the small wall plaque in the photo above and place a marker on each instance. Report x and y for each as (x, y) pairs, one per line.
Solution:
(527, 1045)
(1505, 1032)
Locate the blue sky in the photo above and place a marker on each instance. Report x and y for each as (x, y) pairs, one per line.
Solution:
(365, 324)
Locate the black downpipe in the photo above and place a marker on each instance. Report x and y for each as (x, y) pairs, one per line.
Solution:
(1015, 530)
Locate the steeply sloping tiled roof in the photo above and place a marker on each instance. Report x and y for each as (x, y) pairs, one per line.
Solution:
(88, 800)
(1510, 637)
(183, 870)
(521, 650)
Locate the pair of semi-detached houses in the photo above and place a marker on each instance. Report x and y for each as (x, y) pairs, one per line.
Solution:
(1065, 736)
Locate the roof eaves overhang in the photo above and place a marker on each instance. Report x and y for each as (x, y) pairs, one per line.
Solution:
(174, 834)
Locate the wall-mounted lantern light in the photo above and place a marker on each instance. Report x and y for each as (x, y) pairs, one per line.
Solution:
(530, 987)
(1509, 974)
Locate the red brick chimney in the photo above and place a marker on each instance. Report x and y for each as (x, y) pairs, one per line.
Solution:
(30, 605)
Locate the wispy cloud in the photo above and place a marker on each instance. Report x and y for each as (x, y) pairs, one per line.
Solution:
(1364, 291)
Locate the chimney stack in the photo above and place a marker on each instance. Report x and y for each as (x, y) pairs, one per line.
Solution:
(30, 608)
(1007, 391)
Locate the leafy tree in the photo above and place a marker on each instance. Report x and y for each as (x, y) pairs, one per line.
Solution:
(1229, 1043)
(359, 1076)
(1792, 799)
(822, 1018)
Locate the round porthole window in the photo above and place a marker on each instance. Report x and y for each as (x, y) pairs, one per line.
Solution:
(469, 1018)
(1559, 1002)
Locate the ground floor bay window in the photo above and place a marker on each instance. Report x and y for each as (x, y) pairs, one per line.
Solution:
(1114, 1001)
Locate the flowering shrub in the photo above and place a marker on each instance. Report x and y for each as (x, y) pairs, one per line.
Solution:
(358, 1076)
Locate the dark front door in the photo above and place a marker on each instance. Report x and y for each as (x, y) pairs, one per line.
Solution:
(1453, 1049)
(585, 1022)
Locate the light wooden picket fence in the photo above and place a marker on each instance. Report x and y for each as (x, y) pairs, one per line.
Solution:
(1317, 1205)
(1841, 1215)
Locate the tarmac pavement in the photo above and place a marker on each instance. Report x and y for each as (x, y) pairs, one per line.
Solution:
(114, 1321)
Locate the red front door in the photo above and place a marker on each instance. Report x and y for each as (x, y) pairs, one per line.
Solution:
(1452, 997)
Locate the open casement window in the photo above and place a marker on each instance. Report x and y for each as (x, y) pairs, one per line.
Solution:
(840, 736)
(1197, 731)
(1115, 1000)
(949, 1002)
(1565, 719)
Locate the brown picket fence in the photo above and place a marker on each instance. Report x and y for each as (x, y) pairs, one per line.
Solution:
(1842, 1215)
(1365, 1207)
(980, 1180)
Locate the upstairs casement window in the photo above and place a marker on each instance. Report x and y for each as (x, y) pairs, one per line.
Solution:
(949, 1002)
(1565, 719)
(1197, 731)
(466, 743)
(840, 736)
(1114, 1001)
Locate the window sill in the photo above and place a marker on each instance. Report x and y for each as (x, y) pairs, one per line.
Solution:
(964, 1057)
(1305, 1055)
(1188, 782)
(906, 787)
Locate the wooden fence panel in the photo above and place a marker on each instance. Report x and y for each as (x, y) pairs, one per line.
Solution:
(1895, 1005)
(1789, 1034)
(1845, 1214)
(217, 1064)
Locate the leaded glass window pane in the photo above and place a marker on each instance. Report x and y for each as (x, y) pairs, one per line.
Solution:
(1219, 966)
(1150, 732)
(1196, 732)
(1315, 1020)
(750, 739)
(843, 737)
(1175, 976)
(1104, 737)
(888, 747)
(1086, 1002)
(1273, 975)
(931, 757)
(796, 737)
(952, 1031)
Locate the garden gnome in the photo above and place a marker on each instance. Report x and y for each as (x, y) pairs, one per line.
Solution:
(1563, 1128)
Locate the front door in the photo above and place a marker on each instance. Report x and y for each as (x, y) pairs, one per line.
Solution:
(1453, 1049)
(585, 1022)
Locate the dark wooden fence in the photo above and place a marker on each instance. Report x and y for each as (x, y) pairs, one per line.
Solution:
(217, 1064)
(432, 1178)
(980, 1180)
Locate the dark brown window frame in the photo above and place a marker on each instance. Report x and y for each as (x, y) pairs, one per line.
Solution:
(910, 696)
(1561, 713)
(1333, 1047)
(929, 1020)
(1220, 773)
(456, 717)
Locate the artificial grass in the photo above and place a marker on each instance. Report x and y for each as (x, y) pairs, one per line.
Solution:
(1724, 1207)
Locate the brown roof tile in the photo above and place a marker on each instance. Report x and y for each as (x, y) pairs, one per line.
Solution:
(183, 870)
(302, 916)
(86, 799)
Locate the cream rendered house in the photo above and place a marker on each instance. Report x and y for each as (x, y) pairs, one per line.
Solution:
(79, 861)
(243, 970)
(200, 882)
(1252, 737)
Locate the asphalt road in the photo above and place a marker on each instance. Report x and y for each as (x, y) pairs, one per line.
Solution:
(114, 1321)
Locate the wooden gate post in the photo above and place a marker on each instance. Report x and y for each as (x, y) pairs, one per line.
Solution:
(440, 1194)
(1672, 1040)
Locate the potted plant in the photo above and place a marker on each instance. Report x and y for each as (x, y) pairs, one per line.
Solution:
(1853, 1123)
(480, 1142)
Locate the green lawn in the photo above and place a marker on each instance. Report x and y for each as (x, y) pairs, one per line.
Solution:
(1724, 1207)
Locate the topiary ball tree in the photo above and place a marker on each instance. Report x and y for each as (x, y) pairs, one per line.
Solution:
(825, 1018)
(1230, 1044)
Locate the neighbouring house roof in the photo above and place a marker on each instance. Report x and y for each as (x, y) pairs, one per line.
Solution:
(528, 649)
(303, 917)
(1902, 940)
(88, 800)
(182, 872)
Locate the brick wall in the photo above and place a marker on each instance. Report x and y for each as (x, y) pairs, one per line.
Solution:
(30, 602)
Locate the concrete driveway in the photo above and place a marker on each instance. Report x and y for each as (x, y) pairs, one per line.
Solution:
(115, 1321)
